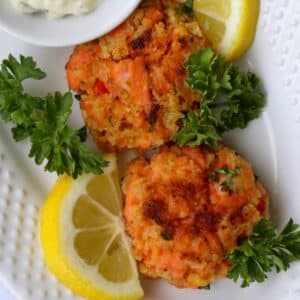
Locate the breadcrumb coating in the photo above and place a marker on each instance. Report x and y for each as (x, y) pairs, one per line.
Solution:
(186, 208)
(132, 80)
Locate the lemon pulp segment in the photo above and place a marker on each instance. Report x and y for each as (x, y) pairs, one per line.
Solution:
(229, 24)
(83, 237)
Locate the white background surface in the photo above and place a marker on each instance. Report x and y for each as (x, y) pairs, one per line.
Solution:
(271, 143)
(5, 294)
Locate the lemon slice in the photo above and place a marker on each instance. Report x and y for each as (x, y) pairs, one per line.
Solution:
(83, 237)
(229, 24)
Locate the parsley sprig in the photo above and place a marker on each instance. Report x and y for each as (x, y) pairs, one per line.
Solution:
(44, 122)
(231, 99)
(263, 251)
(229, 175)
(186, 7)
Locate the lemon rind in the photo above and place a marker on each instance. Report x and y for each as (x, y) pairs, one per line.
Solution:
(59, 264)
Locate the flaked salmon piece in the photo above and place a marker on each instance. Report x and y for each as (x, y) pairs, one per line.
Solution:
(133, 77)
(133, 80)
(79, 65)
(127, 76)
(183, 216)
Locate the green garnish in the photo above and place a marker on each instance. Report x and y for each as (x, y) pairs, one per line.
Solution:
(227, 184)
(186, 7)
(44, 122)
(263, 251)
(82, 133)
(208, 287)
(231, 99)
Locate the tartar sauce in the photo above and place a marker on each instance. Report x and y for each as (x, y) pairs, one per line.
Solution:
(56, 8)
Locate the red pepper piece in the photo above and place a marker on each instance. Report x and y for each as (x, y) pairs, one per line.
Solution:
(100, 88)
(261, 206)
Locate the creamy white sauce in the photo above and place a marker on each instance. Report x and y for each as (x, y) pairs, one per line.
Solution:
(56, 8)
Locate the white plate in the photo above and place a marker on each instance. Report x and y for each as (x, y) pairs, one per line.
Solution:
(271, 143)
(40, 30)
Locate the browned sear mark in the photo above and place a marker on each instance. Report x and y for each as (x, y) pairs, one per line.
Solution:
(154, 209)
(152, 116)
(125, 125)
(140, 42)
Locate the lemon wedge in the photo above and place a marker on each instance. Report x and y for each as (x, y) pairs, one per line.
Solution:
(229, 24)
(83, 238)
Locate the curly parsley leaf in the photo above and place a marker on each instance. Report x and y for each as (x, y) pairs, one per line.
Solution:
(263, 251)
(186, 7)
(19, 71)
(199, 127)
(44, 122)
(227, 180)
(15, 105)
(82, 133)
(231, 99)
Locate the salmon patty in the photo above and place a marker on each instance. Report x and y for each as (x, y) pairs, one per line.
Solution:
(132, 81)
(186, 208)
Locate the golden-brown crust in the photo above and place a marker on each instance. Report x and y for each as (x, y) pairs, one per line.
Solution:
(181, 216)
(133, 79)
